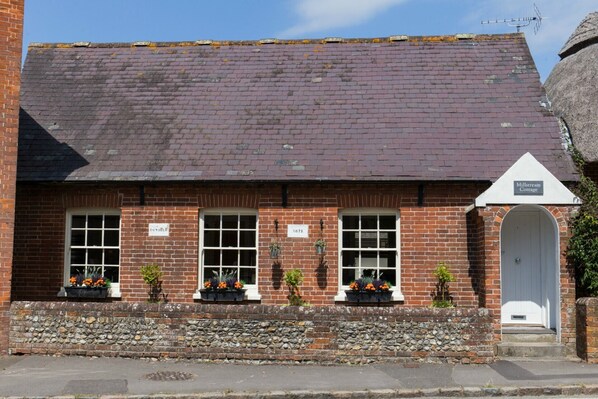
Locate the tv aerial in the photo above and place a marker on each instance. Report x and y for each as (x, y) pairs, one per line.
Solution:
(520, 22)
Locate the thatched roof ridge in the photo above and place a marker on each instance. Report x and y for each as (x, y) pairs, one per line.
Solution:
(585, 34)
(572, 87)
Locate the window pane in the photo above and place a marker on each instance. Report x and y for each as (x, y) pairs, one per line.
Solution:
(211, 221)
(229, 258)
(77, 270)
(211, 238)
(247, 238)
(78, 238)
(369, 260)
(111, 238)
(248, 275)
(111, 256)
(211, 257)
(111, 273)
(94, 238)
(349, 275)
(229, 238)
(389, 275)
(94, 221)
(388, 222)
(229, 221)
(369, 222)
(350, 239)
(388, 259)
(77, 256)
(78, 221)
(368, 239)
(112, 221)
(248, 258)
(248, 221)
(350, 222)
(388, 239)
(210, 272)
(350, 258)
(94, 256)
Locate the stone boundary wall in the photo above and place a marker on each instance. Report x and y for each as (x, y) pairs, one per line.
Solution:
(587, 329)
(252, 332)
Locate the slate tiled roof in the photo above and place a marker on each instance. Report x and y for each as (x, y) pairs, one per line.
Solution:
(426, 108)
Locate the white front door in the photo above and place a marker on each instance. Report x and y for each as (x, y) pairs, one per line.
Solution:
(521, 269)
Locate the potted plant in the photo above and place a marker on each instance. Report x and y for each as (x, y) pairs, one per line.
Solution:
(320, 246)
(81, 286)
(274, 249)
(369, 290)
(224, 287)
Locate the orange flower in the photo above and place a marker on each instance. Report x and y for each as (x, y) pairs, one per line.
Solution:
(222, 285)
(99, 283)
(238, 285)
(370, 287)
(87, 282)
(384, 287)
(354, 286)
(207, 284)
(73, 280)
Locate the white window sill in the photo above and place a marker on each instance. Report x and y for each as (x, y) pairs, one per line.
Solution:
(112, 293)
(249, 295)
(397, 296)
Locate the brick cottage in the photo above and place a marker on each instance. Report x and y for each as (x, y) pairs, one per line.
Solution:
(399, 152)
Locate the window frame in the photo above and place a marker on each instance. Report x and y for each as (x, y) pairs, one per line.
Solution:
(114, 290)
(397, 295)
(252, 292)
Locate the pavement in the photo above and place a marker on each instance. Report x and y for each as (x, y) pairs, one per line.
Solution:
(83, 377)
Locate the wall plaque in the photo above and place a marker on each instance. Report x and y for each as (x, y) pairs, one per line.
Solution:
(528, 187)
(159, 229)
(297, 231)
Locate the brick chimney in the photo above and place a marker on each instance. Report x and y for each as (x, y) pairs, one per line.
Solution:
(11, 43)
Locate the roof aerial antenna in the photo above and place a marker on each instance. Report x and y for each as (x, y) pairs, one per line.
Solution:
(520, 22)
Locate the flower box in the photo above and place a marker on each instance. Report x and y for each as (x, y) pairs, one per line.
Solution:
(222, 295)
(86, 292)
(368, 296)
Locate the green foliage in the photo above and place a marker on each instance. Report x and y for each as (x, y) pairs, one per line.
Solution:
(443, 274)
(320, 243)
(151, 274)
(293, 278)
(441, 297)
(583, 245)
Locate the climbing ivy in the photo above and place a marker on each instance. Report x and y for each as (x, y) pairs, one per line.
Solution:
(583, 245)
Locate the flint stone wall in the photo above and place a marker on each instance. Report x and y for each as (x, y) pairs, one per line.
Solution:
(252, 332)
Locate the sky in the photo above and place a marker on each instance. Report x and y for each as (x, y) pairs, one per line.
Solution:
(67, 21)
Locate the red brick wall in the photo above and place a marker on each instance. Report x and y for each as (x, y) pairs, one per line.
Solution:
(434, 232)
(11, 37)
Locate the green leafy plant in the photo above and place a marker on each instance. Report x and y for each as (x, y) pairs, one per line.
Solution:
(293, 279)
(152, 276)
(275, 248)
(582, 251)
(441, 297)
(320, 243)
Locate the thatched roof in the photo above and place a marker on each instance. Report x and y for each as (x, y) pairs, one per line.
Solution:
(572, 87)
(586, 33)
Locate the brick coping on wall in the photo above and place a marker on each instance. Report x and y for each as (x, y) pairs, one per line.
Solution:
(587, 329)
(252, 332)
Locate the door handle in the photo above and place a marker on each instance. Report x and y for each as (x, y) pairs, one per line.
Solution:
(517, 260)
